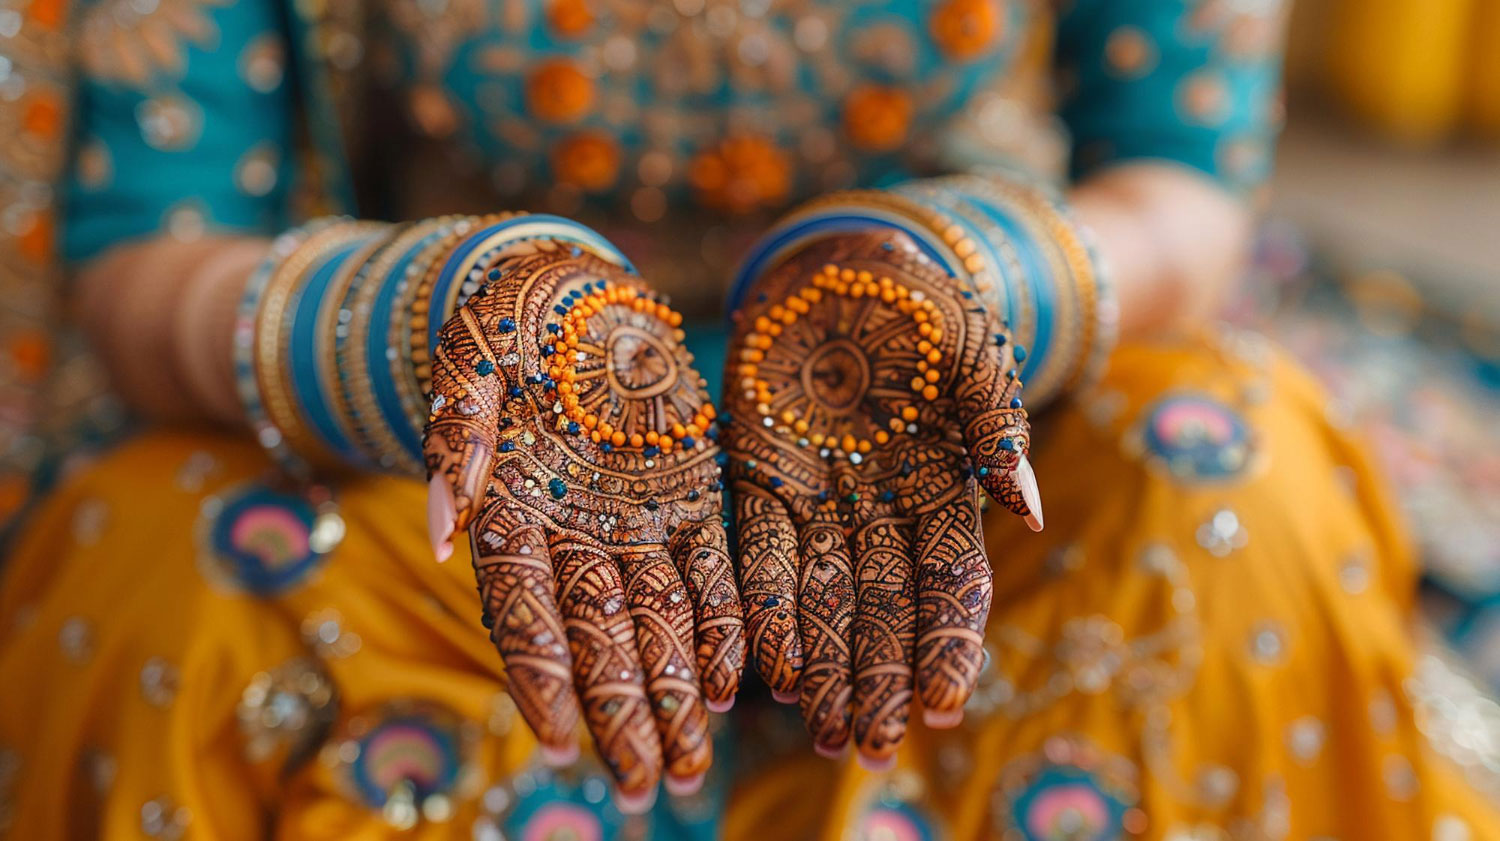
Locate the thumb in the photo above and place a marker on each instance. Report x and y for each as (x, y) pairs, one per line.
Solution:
(459, 445)
(998, 434)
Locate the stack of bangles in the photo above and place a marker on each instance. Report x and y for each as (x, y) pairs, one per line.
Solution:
(334, 335)
(1010, 245)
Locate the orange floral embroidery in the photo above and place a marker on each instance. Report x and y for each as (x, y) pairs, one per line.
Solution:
(589, 161)
(877, 118)
(741, 174)
(559, 92)
(965, 28)
(42, 118)
(570, 18)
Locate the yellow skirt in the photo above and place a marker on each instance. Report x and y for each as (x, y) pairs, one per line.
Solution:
(1214, 638)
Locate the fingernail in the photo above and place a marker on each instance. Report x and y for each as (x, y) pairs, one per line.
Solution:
(942, 720)
(559, 757)
(440, 516)
(831, 753)
(878, 765)
(1026, 479)
(684, 786)
(719, 706)
(784, 697)
(635, 804)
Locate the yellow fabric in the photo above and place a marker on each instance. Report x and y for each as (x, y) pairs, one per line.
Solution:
(1417, 70)
(1261, 693)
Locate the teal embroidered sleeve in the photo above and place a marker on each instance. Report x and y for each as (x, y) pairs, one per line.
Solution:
(1191, 81)
(184, 122)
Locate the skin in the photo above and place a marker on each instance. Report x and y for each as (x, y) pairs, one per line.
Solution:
(1174, 243)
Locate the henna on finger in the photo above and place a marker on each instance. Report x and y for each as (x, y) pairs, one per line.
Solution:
(954, 588)
(825, 601)
(883, 635)
(701, 553)
(606, 665)
(663, 616)
(514, 573)
(768, 567)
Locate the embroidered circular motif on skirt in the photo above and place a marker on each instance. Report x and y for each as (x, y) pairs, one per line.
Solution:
(1069, 791)
(1194, 437)
(407, 749)
(542, 804)
(256, 538)
(893, 810)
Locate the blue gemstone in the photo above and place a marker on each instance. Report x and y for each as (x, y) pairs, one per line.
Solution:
(549, 384)
(1019, 352)
(1015, 402)
(776, 482)
(560, 309)
(484, 367)
(651, 452)
(507, 446)
(494, 274)
(887, 496)
(1000, 340)
(984, 471)
(573, 427)
(886, 246)
(515, 391)
(770, 601)
(548, 350)
(557, 488)
(1007, 445)
(576, 251)
(607, 447)
(822, 496)
(554, 328)
(507, 325)
(688, 442)
(693, 495)
(967, 294)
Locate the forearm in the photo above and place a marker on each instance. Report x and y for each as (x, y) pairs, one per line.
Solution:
(1173, 241)
(161, 314)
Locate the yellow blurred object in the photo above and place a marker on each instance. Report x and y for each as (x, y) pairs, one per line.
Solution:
(1484, 89)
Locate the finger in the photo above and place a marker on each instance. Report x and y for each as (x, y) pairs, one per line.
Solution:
(883, 636)
(460, 440)
(954, 587)
(825, 602)
(663, 616)
(606, 668)
(1019, 493)
(514, 573)
(701, 552)
(767, 548)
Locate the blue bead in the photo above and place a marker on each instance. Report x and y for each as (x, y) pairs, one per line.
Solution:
(1000, 340)
(822, 496)
(548, 350)
(507, 325)
(554, 328)
(984, 471)
(770, 601)
(507, 446)
(1015, 402)
(493, 274)
(1019, 352)
(484, 367)
(688, 442)
(776, 482)
(607, 447)
(1007, 445)
(573, 427)
(575, 250)
(515, 391)
(886, 246)
(693, 495)
(536, 378)
(887, 496)
(651, 452)
(560, 309)
(557, 488)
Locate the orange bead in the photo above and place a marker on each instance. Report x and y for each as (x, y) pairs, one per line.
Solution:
(618, 438)
(909, 413)
(881, 436)
(930, 393)
(637, 440)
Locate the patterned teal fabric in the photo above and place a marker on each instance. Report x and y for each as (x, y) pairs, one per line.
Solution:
(184, 121)
(186, 108)
(1191, 81)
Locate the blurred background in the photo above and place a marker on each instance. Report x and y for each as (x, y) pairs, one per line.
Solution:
(1380, 267)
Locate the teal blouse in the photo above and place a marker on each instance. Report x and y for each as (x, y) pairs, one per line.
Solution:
(193, 115)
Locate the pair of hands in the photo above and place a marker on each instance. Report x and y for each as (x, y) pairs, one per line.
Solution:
(571, 437)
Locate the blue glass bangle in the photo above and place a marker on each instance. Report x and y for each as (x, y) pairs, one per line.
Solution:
(941, 197)
(378, 349)
(309, 385)
(1033, 266)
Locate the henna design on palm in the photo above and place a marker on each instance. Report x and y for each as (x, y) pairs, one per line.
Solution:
(572, 437)
(868, 397)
